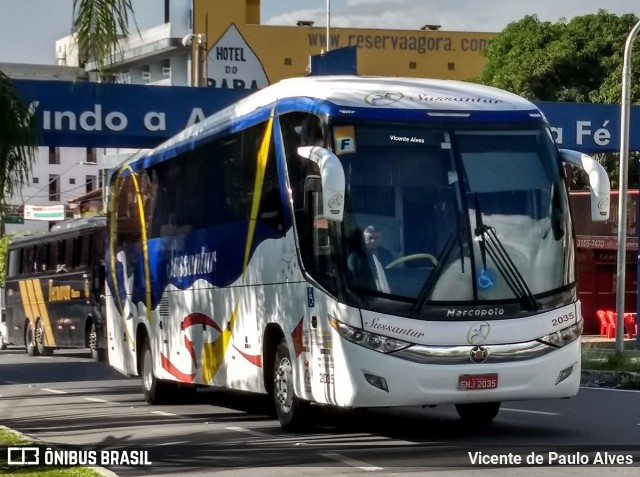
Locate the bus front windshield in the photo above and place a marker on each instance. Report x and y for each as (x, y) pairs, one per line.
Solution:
(454, 216)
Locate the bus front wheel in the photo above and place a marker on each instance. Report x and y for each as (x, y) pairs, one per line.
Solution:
(293, 413)
(30, 340)
(478, 413)
(155, 390)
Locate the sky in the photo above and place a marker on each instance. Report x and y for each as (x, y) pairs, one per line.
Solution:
(30, 28)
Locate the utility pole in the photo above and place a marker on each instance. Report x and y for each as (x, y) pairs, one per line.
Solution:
(625, 110)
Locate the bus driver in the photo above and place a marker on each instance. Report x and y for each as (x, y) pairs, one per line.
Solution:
(375, 258)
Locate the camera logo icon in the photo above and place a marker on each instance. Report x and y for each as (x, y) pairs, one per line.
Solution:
(23, 455)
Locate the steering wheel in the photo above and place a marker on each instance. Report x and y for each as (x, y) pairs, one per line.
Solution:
(415, 256)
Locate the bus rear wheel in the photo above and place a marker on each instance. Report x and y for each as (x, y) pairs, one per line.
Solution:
(97, 354)
(478, 413)
(30, 340)
(155, 390)
(42, 349)
(293, 413)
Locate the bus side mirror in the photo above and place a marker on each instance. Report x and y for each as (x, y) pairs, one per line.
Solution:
(598, 182)
(332, 180)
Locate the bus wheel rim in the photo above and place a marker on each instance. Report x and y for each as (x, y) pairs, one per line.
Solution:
(93, 340)
(38, 334)
(284, 386)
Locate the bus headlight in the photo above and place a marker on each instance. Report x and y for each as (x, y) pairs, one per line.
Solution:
(374, 341)
(564, 336)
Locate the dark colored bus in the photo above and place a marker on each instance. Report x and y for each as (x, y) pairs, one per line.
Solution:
(55, 286)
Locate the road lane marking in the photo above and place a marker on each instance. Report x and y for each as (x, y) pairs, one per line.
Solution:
(527, 411)
(249, 431)
(163, 413)
(96, 400)
(54, 391)
(350, 462)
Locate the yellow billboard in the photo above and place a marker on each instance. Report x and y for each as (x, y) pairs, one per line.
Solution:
(242, 53)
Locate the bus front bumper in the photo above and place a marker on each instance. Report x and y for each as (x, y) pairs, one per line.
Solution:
(367, 378)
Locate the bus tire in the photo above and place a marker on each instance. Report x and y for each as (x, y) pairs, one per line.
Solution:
(42, 349)
(97, 354)
(293, 413)
(30, 340)
(478, 413)
(155, 390)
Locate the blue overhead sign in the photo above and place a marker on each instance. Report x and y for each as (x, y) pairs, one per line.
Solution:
(117, 115)
(590, 127)
(137, 116)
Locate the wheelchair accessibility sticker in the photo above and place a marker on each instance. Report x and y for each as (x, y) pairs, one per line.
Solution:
(486, 279)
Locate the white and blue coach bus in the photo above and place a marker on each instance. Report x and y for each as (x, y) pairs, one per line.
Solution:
(236, 253)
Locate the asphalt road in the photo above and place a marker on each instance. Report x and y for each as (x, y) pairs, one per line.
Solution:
(68, 400)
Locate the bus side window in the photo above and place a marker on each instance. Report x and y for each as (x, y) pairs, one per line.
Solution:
(295, 133)
(304, 129)
(270, 210)
(28, 260)
(42, 257)
(60, 257)
(84, 250)
(13, 265)
(296, 129)
(53, 256)
(68, 253)
(148, 192)
(128, 223)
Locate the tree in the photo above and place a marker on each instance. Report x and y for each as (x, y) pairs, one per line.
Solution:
(576, 61)
(4, 246)
(18, 139)
(98, 27)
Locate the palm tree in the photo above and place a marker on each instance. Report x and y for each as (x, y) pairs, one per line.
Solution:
(98, 25)
(18, 140)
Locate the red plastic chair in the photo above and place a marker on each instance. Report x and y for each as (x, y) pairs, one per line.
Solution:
(604, 322)
(630, 324)
(613, 321)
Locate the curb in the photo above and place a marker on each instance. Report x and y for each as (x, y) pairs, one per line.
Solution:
(610, 379)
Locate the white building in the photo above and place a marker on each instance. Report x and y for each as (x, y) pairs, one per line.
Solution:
(58, 173)
(154, 56)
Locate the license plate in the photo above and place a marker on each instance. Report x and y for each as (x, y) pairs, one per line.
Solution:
(473, 382)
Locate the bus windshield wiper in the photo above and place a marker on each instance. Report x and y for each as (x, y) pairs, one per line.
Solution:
(425, 291)
(456, 238)
(490, 244)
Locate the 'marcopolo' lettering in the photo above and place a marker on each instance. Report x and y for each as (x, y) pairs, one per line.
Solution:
(453, 313)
